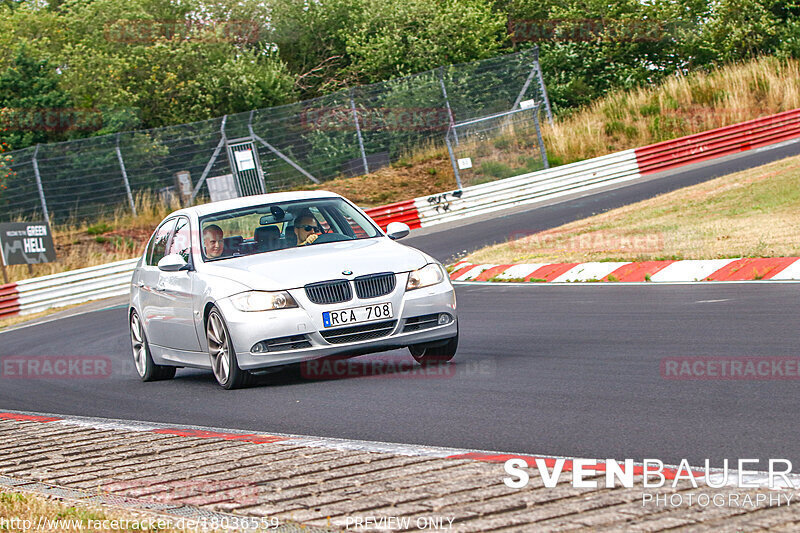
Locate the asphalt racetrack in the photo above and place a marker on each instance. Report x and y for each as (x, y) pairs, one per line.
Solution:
(572, 370)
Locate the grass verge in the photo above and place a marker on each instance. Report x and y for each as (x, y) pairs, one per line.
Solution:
(28, 512)
(753, 213)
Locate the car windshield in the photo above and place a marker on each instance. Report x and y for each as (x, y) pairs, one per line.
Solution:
(277, 226)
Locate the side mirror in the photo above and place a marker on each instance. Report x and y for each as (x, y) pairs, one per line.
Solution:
(172, 263)
(397, 230)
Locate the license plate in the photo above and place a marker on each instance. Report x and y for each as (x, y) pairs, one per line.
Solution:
(355, 315)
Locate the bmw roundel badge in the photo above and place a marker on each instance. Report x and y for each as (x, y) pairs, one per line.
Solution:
(347, 272)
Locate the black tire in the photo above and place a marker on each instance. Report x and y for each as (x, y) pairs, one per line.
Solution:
(142, 358)
(437, 354)
(222, 354)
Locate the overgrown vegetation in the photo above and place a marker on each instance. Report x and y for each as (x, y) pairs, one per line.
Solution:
(757, 88)
(131, 64)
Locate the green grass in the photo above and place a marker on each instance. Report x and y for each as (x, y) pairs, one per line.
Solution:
(753, 213)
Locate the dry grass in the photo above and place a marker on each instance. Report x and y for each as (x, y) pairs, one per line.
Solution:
(55, 515)
(623, 120)
(680, 106)
(105, 240)
(426, 171)
(753, 213)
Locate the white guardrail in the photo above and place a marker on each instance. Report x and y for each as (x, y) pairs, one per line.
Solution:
(75, 286)
(539, 186)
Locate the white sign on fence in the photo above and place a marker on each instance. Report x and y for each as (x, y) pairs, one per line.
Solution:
(244, 160)
(464, 163)
(222, 188)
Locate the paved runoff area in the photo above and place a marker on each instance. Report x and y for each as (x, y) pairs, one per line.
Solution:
(294, 483)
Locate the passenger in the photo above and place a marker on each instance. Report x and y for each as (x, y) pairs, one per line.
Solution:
(306, 228)
(213, 241)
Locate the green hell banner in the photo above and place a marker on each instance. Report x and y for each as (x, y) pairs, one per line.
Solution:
(26, 243)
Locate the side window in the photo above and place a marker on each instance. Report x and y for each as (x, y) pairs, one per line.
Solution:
(322, 220)
(159, 244)
(181, 241)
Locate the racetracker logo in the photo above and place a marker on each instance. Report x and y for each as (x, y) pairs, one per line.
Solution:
(50, 119)
(585, 30)
(56, 367)
(376, 118)
(383, 367)
(148, 31)
(730, 368)
(595, 241)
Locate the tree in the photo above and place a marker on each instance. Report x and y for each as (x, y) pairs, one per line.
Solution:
(33, 108)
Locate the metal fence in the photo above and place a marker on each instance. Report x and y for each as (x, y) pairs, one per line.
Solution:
(496, 146)
(347, 133)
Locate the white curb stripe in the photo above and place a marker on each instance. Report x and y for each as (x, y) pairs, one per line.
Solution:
(790, 272)
(690, 270)
(589, 271)
(474, 272)
(520, 271)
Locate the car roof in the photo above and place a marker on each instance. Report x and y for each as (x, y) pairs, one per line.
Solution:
(248, 201)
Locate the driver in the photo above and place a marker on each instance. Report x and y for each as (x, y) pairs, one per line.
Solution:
(306, 228)
(213, 241)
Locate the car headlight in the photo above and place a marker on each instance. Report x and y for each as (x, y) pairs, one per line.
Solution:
(263, 301)
(425, 277)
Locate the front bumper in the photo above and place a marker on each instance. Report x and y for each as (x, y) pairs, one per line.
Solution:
(249, 328)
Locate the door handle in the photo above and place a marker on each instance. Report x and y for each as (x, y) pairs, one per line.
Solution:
(160, 288)
(140, 284)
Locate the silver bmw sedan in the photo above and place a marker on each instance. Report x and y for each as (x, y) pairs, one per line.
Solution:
(247, 285)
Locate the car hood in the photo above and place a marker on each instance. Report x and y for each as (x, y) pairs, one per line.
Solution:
(296, 267)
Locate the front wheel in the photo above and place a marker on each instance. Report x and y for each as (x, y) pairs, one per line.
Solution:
(436, 354)
(142, 358)
(223, 357)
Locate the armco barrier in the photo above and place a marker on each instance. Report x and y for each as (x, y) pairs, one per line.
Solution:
(404, 211)
(9, 300)
(66, 288)
(610, 169)
(38, 294)
(719, 142)
(529, 188)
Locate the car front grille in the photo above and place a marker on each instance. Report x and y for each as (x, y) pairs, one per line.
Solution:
(329, 292)
(375, 285)
(416, 323)
(359, 333)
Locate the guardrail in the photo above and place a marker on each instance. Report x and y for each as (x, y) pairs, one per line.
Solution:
(591, 174)
(66, 288)
(719, 142)
(38, 294)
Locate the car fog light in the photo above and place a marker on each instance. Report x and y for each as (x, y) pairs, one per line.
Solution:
(444, 318)
(258, 348)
